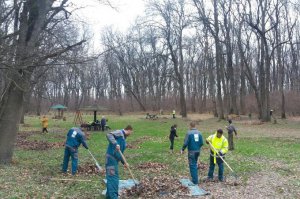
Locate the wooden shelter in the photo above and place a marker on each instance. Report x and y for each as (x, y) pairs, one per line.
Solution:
(95, 108)
(60, 111)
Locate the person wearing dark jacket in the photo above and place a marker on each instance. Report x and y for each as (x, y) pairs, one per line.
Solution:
(117, 144)
(75, 137)
(172, 136)
(193, 141)
(230, 128)
(103, 123)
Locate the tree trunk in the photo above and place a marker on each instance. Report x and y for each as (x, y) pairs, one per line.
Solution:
(10, 114)
(218, 61)
(182, 99)
(242, 89)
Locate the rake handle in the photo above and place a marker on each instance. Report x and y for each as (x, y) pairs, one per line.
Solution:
(220, 156)
(124, 159)
(68, 179)
(97, 164)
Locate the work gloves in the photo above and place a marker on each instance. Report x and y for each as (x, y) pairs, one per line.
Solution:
(220, 153)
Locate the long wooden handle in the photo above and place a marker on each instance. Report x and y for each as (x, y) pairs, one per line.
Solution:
(124, 159)
(97, 164)
(68, 179)
(220, 156)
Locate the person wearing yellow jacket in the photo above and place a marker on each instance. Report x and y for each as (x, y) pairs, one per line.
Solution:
(44, 121)
(220, 143)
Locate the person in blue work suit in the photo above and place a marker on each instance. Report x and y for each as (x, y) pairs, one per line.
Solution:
(194, 141)
(117, 144)
(75, 137)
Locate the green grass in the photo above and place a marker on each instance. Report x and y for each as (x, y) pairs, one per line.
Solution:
(28, 176)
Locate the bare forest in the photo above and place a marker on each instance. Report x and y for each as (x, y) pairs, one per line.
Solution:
(219, 56)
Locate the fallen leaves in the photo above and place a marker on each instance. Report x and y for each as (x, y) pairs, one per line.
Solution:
(259, 185)
(152, 166)
(136, 143)
(88, 169)
(130, 146)
(159, 186)
(24, 143)
(38, 145)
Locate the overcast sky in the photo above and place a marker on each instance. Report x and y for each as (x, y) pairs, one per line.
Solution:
(98, 15)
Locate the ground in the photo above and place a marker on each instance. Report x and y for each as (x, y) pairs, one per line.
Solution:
(266, 159)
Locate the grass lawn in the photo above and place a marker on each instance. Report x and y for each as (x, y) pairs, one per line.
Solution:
(266, 158)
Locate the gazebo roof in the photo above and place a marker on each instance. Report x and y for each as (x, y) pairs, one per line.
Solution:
(58, 106)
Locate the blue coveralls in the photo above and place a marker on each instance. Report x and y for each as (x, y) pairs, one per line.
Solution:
(75, 137)
(112, 159)
(194, 141)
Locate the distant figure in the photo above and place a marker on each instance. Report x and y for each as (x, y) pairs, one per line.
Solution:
(271, 112)
(193, 141)
(230, 128)
(220, 143)
(75, 137)
(173, 114)
(45, 123)
(161, 111)
(172, 136)
(103, 123)
(116, 146)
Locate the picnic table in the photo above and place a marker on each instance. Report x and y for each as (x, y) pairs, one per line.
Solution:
(149, 116)
(94, 126)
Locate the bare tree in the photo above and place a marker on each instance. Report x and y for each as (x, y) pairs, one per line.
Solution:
(213, 27)
(175, 20)
(31, 19)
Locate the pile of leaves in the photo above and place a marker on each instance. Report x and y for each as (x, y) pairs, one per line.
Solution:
(130, 146)
(152, 166)
(136, 143)
(88, 169)
(203, 166)
(159, 186)
(23, 143)
(38, 145)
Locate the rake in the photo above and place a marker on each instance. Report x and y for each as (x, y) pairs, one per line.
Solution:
(124, 159)
(233, 173)
(97, 164)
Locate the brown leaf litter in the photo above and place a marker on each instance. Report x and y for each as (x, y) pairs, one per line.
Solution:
(135, 144)
(23, 143)
(159, 186)
(259, 185)
(88, 169)
(152, 166)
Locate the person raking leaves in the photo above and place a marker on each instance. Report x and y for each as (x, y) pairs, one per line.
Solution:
(75, 137)
(218, 147)
(116, 146)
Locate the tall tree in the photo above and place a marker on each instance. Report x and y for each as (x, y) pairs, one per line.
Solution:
(214, 29)
(32, 18)
(175, 20)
